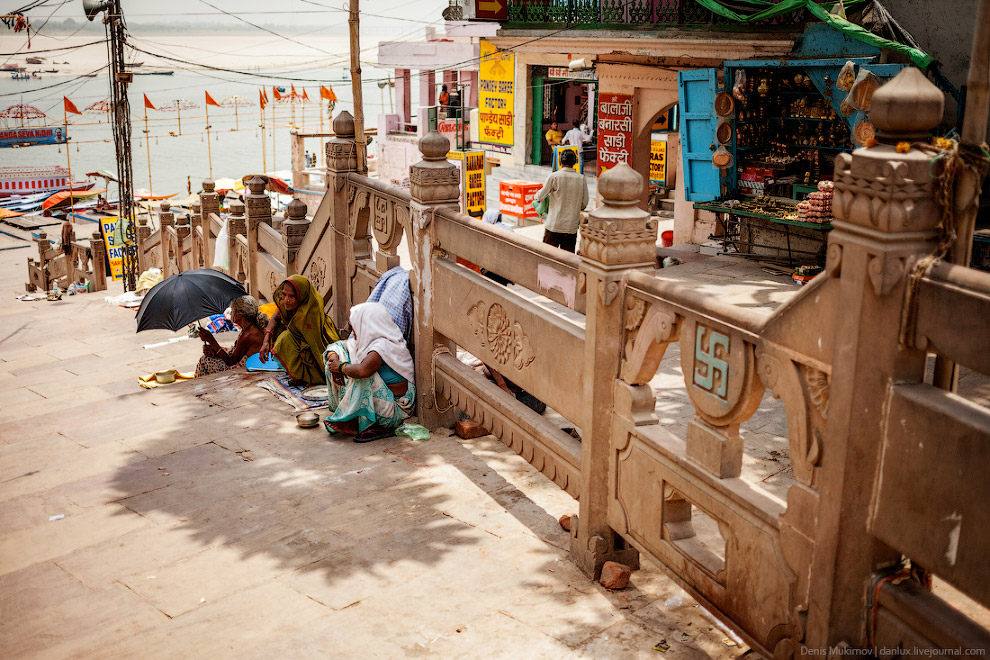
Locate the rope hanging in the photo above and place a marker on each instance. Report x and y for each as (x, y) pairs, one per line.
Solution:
(950, 159)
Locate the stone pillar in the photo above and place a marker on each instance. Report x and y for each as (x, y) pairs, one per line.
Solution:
(196, 222)
(294, 228)
(98, 249)
(236, 226)
(615, 238)
(341, 161)
(259, 209)
(166, 219)
(434, 183)
(183, 234)
(209, 202)
(70, 262)
(885, 221)
(143, 233)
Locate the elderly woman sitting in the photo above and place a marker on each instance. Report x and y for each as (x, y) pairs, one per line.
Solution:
(244, 313)
(369, 377)
(300, 331)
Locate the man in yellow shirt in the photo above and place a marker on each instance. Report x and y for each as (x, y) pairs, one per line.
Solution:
(554, 135)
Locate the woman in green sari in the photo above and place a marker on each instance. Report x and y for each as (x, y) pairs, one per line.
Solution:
(300, 331)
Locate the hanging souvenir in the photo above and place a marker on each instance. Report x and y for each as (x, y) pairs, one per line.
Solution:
(739, 88)
(847, 76)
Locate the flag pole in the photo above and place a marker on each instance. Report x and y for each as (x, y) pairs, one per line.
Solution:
(209, 149)
(237, 125)
(264, 157)
(323, 150)
(147, 145)
(68, 161)
(178, 111)
(274, 126)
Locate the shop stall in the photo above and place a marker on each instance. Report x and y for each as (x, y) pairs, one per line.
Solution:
(760, 148)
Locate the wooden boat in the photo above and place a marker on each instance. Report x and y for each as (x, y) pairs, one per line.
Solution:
(21, 76)
(153, 73)
(35, 60)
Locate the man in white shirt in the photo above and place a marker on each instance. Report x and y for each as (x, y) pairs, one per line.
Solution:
(568, 192)
(576, 136)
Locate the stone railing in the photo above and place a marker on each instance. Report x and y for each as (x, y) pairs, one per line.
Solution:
(865, 432)
(86, 262)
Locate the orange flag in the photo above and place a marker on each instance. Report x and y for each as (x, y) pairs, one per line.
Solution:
(275, 93)
(305, 95)
(294, 91)
(327, 94)
(70, 106)
(262, 101)
(149, 104)
(210, 101)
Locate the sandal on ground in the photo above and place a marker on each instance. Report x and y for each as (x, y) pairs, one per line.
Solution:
(371, 434)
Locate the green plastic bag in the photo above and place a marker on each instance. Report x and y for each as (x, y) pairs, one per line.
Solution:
(542, 206)
(414, 431)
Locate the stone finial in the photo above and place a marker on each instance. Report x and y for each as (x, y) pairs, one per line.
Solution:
(434, 180)
(295, 210)
(294, 227)
(209, 185)
(236, 220)
(434, 146)
(343, 125)
(907, 108)
(165, 207)
(256, 185)
(619, 234)
(621, 186)
(182, 221)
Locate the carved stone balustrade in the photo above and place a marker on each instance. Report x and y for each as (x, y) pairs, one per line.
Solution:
(294, 227)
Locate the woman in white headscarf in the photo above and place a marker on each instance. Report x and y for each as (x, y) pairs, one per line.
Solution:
(369, 377)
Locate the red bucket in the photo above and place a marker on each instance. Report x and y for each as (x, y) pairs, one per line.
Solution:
(667, 238)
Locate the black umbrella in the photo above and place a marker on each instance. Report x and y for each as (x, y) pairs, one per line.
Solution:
(186, 297)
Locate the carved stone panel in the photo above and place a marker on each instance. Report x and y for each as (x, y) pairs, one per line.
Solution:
(650, 327)
(720, 372)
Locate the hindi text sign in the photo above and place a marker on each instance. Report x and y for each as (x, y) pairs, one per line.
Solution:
(614, 130)
(496, 96)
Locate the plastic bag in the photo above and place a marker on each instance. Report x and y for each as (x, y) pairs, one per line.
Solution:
(542, 206)
(221, 257)
(739, 88)
(414, 431)
(847, 76)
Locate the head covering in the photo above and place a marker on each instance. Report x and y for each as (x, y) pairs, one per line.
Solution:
(494, 217)
(393, 292)
(309, 322)
(374, 330)
(247, 306)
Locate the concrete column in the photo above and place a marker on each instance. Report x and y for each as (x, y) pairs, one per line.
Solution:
(469, 83)
(885, 220)
(434, 183)
(427, 90)
(403, 94)
(615, 238)
(341, 161)
(98, 282)
(297, 159)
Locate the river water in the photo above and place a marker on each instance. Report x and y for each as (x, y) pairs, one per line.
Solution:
(235, 141)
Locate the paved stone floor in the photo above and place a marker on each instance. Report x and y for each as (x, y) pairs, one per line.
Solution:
(196, 520)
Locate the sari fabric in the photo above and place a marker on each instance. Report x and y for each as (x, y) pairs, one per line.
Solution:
(303, 337)
(369, 401)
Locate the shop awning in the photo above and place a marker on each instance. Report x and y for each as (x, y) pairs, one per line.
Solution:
(920, 58)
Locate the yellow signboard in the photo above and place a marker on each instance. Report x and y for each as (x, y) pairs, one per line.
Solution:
(472, 166)
(495, 95)
(658, 160)
(578, 165)
(112, 236)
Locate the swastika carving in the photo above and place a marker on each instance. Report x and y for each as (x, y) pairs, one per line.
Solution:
(712, 371)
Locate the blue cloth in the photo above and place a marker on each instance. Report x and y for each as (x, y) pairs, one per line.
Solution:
(389, 375)
(220, 323)
(392, 291)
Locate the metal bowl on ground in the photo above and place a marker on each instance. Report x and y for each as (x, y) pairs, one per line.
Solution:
(307, 420)
(165, 377)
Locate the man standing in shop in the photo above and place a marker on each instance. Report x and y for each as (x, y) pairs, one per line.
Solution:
(568, 192)
(576, 136)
